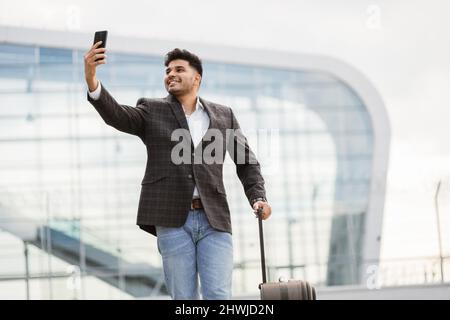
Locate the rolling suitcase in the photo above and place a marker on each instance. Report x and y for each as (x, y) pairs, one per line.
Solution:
(290, 290)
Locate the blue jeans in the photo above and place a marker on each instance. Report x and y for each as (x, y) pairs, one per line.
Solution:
(196, 250)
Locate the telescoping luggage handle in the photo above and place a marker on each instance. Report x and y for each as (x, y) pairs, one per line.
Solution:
(261, 245)
(306, 287)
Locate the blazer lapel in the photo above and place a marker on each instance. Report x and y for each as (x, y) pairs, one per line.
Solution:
(178, 112)
(212, 122)
(210, 112)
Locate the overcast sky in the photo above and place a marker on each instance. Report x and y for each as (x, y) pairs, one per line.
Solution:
(401, 46)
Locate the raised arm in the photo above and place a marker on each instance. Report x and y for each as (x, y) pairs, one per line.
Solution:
(122, 117)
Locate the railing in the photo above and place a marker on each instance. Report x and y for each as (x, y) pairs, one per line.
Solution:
(382, 273)
(73, 228)
(70, 232)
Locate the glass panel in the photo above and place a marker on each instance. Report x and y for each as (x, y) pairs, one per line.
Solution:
(54, 144)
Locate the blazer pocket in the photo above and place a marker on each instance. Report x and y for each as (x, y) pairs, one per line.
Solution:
(153, 179)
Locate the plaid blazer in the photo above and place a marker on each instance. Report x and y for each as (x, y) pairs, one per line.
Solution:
(167, 187)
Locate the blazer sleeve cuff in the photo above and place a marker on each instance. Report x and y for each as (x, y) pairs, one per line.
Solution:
(95, 95)
(252, 202)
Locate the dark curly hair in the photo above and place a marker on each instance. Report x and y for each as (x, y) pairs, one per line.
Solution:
(183, 54)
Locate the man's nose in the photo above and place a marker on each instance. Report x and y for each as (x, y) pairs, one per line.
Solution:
(171, 74)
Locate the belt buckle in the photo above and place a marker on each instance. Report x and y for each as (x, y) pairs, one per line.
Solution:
(192, 203)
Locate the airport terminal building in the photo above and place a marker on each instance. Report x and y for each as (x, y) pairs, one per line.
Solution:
(70, 184)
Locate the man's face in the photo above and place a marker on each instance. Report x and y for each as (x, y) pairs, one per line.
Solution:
(181, 78)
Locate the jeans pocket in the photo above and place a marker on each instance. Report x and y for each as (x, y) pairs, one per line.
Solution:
(171, 240)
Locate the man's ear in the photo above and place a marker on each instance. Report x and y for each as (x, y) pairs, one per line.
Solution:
(199, 77)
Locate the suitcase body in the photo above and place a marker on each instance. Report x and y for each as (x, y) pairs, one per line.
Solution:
(290, 290)
(283, 290)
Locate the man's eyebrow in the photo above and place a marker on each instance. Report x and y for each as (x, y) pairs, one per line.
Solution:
(176, 67)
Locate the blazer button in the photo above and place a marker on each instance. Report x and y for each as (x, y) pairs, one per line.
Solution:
(190, 176)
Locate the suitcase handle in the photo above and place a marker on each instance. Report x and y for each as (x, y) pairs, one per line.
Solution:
(261, 246)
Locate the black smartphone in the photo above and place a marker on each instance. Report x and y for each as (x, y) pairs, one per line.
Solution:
(101, 36)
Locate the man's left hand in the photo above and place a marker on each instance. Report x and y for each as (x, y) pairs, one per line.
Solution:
(266, 212)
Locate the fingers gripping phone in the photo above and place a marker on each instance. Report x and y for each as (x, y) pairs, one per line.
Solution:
(101, 36)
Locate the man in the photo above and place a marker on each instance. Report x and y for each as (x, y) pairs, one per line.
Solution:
(184, 203)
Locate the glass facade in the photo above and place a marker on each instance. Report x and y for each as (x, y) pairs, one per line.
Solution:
(73, 182)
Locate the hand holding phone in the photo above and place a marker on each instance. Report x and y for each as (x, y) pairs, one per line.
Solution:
(94, 57)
